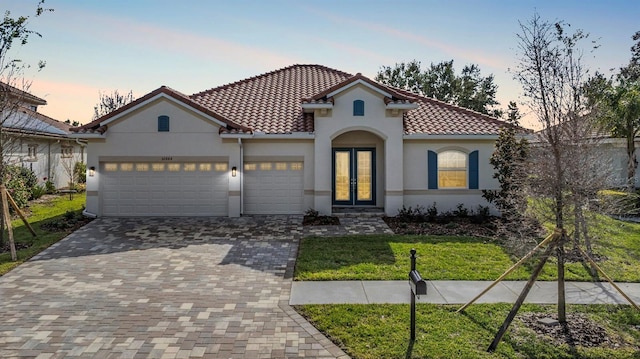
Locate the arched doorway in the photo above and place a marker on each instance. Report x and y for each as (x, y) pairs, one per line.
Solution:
(357, 169)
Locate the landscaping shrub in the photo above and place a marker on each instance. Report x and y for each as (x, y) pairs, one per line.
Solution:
(49, 187)
(19, 181)
(38, 191)
(619, 203)
(411, 214)
(80, 172)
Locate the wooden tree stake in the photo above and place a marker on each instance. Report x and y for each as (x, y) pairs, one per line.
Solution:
(521, 298)
(513, 267)
(7, 222)
(22, 217)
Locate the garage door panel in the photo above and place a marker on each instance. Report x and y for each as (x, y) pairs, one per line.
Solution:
(273, 188)
(164, 190)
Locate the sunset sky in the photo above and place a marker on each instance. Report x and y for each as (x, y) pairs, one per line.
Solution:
(139, 45)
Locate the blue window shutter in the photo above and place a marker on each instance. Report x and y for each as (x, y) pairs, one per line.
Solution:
(358, 108)
(432, 165)
(473, 170)
(163, 123)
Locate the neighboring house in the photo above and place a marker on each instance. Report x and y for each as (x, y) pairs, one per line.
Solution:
(305, 136)
(36, 141)
(615, 150)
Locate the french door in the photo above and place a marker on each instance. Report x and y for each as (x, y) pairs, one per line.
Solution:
(354, 176)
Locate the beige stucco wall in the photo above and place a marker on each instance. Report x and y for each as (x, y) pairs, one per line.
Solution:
(191, 136)
(377, 123)
(416, 190)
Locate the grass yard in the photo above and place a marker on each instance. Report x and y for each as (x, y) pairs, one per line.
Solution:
(382, 331)
(386, 257)
(40, 213)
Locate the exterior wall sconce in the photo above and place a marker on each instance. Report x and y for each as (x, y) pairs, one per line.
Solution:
(234, 171)
(92, 171)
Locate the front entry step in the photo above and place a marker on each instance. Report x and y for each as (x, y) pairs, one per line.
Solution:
(357, 212)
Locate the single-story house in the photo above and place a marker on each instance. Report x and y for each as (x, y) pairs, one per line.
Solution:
(301, 137)
(36, 141)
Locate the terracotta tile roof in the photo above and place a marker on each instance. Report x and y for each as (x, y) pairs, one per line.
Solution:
(98, 126)
(434, 117)
(270, 102)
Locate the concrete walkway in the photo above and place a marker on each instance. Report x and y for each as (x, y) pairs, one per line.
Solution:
(456, 292)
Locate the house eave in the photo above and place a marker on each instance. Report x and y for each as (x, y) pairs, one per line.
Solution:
(317, 106)
(401, 106)
(86, 135)
(426, 136)
(272, 136)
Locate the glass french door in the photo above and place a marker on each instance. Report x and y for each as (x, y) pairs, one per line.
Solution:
(354, 176)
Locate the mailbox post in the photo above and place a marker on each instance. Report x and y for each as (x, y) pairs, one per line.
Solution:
(418, 288)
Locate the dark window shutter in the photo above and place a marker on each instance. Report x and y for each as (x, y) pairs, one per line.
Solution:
(163, 123)
(432, 164)
(358, 108)
(473, 170)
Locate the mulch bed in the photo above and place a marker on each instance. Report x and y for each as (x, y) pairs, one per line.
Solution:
(311, 220)
(579, 330)
(453, 226)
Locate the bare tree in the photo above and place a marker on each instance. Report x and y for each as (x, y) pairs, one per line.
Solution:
(565, 167)
(14, 91)
(111, 102)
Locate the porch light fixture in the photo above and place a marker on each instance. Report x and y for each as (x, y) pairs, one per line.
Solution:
(92, 171)
(234, 171)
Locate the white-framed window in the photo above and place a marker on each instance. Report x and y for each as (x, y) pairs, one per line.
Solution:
(66, 151)
(32, 152)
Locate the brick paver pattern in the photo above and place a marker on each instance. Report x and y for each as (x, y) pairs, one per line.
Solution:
(163, 288)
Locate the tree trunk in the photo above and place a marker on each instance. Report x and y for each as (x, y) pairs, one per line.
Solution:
(632, 163)
(562, 313)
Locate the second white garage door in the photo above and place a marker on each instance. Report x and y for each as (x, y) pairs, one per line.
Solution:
(273, 187)
(164, 189)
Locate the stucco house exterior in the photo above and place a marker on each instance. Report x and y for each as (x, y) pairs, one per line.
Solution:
(36, 141)
(304, 136)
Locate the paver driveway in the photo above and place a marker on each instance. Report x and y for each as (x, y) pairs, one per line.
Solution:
(174, 288)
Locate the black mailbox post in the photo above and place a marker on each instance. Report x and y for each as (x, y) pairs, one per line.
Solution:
(418, 288)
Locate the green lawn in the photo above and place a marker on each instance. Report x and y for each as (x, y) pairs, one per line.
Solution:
(382, 331)
(386, 257)
(40, 213)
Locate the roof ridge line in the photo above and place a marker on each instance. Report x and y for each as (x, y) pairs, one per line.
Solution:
(265, 74)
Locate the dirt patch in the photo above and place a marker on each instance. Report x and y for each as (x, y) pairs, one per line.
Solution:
(579, 330)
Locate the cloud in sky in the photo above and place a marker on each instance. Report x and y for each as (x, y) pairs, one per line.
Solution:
(461, 52)
(128, 32)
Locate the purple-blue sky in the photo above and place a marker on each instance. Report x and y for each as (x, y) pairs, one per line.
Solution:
(139, 45)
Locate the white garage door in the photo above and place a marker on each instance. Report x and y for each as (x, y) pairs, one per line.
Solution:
(273, 187)
(164, 189)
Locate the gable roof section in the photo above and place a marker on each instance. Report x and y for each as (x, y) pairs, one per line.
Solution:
(270, 102)
(100, 125)
(390, 94)
(21, 95)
